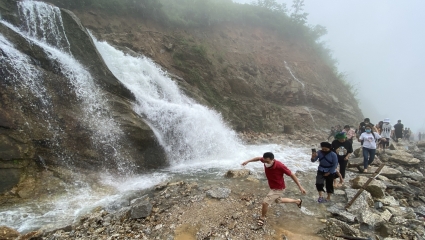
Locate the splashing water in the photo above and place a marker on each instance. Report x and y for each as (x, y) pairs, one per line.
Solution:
(187, 130)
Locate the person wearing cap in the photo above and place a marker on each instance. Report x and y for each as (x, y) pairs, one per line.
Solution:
(369, 145)
(350, 133)
(398, 130)
(275, 170)
(387, 132)
(328, 161)
(343, 150)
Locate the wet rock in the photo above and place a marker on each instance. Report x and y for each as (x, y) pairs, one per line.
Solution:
(370, 218)
(336, 227)
(218, 193)
(389, 201)
(237, 173)
(140, 208)
(376, 188)
(363, 202)
(341, 214)
(7, 233)
(415, 175)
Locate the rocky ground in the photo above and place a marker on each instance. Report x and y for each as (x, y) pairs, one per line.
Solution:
(391, 207)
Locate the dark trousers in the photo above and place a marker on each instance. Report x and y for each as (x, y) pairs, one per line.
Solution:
(368, 156)
(321, 180)
(342, 165)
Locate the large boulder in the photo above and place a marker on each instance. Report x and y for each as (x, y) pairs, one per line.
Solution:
(237, 173)
(376, 188)
(388, 172)
(402, 157)
(363, 201)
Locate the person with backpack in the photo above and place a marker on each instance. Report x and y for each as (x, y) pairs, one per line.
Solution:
(386, 133)
(369, 139)
(328, 161)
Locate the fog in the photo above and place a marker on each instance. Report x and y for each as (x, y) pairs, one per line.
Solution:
(380, 46)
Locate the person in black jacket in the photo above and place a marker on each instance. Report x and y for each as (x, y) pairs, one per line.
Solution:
(343, 150)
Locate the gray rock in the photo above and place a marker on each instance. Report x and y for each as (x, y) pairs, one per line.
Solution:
(140, 208)
(389, 201)
(370, 218)
(415, 175)
(336, 227)
(218, 193)
(341, 214)
(376, 188)
(388, 172)
(364, 201)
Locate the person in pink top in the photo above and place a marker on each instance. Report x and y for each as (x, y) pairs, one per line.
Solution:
(350, 133)
(274, 171)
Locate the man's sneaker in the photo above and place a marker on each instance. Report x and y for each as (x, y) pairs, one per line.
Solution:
(320, 200)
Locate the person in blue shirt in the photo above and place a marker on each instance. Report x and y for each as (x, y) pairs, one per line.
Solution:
(328, 161)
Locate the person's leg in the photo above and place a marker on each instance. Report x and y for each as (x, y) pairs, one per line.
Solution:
(267, 201)
(342, 166)
(289, 200)
(320, 180)
(365, 158)
(329, 186)
(372, 153)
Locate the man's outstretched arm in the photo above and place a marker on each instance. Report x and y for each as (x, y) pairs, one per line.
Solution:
(298, 183)
(256, 159)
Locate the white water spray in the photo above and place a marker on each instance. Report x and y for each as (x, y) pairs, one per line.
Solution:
(187, 130)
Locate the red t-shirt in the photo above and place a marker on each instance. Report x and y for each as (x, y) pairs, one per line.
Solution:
(275, 173)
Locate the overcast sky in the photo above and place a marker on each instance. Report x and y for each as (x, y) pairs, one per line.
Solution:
(380, 44)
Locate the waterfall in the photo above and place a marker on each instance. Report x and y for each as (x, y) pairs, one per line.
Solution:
(106, 133)
(293, 76)
(43, 22)
(187, 130)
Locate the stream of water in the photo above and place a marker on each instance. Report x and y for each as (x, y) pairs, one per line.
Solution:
(196, 139)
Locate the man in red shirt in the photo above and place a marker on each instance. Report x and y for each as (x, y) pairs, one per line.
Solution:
(274, 171)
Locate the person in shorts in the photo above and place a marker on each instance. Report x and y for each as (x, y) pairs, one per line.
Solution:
(274, 170)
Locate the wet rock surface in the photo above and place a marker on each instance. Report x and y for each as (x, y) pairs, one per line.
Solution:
(188, 210)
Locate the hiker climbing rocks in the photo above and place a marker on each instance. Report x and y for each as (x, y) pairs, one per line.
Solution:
(274, 171)
(369, 139)
(343, 150)
(328, 161)
(332, 133)
(350, 133)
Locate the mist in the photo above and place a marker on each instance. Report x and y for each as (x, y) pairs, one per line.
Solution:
(380, 46)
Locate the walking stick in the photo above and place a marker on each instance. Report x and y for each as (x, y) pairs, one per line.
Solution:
(364, 186)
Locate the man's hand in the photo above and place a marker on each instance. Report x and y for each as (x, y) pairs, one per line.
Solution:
(303, 191)
(326, 174)
(245, 163)
(314, 155)
(346, 158)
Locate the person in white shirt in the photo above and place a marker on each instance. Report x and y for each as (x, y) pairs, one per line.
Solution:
(386, 132)
(369, 139)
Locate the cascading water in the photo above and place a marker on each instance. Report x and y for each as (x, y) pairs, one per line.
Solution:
(293, 76)
(43, 22)
(187, 130)
(194, 136)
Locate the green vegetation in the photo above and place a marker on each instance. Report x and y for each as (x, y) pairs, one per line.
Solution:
(205, 13)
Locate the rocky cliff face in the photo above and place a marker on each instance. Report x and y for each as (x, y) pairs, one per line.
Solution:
(57, 116)
(258, 79)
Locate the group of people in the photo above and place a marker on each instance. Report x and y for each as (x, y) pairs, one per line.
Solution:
(330, 156)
